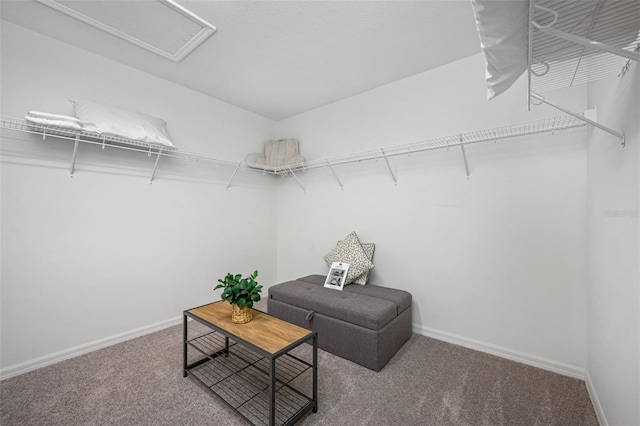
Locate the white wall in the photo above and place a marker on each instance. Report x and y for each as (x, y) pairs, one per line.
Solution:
(496, 262)
(613, 360)
(105, 254)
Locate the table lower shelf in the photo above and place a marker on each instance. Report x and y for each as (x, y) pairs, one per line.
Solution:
(240, 377)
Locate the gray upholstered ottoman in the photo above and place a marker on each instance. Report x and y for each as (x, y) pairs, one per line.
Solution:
(364, 324)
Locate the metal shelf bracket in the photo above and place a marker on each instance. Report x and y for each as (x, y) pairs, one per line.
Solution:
(464, 157)
(155, 166)
(75, 155)
(232, 177)
(386, 160)
(581, 117)
(334, 174)
(296, 178)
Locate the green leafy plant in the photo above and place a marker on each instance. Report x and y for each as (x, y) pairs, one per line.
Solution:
(240, 291)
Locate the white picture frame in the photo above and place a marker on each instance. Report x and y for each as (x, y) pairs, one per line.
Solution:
(337, 275)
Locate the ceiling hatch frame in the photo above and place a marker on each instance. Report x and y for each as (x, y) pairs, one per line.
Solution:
(205, 31)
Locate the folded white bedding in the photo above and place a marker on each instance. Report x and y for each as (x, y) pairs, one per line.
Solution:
(277, 153)
(65, 124)
(50, 116)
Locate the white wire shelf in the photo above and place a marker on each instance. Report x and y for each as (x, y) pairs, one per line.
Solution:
(551, 124)
(545, 125)
(108, 141)
(577, 42)
(93, 138)
(492, 134)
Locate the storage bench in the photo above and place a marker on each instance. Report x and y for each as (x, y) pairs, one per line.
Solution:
(364, 324)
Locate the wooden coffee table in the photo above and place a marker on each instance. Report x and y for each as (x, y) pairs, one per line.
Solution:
(250, 366)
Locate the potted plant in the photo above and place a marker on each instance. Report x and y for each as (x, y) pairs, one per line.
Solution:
(241, 293)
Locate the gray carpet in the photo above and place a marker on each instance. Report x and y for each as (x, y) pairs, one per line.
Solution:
(429, 382)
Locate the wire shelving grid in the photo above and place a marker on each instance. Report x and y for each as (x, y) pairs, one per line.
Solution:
(551, 124)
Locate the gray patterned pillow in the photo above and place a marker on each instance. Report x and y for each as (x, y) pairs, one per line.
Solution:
(368, 248)
(350, 251)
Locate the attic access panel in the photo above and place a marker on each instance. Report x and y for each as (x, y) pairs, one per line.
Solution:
(159, 26)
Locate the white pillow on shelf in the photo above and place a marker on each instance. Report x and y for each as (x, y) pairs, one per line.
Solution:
(106, 119)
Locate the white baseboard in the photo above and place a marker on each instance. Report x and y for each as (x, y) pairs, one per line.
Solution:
(521, 357)
(535, 361)
(43, 361)
(595, 401)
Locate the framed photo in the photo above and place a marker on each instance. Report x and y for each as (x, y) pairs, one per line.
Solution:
(337, 275)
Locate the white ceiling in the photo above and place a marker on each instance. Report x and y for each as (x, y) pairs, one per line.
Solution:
(282, 58)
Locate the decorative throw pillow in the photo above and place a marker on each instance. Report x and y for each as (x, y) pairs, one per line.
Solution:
(350, 251)
(368, 248)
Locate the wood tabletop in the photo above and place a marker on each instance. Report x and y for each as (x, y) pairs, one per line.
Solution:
(264, 331)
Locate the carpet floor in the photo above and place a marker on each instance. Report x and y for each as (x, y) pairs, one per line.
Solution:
(428, 382)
